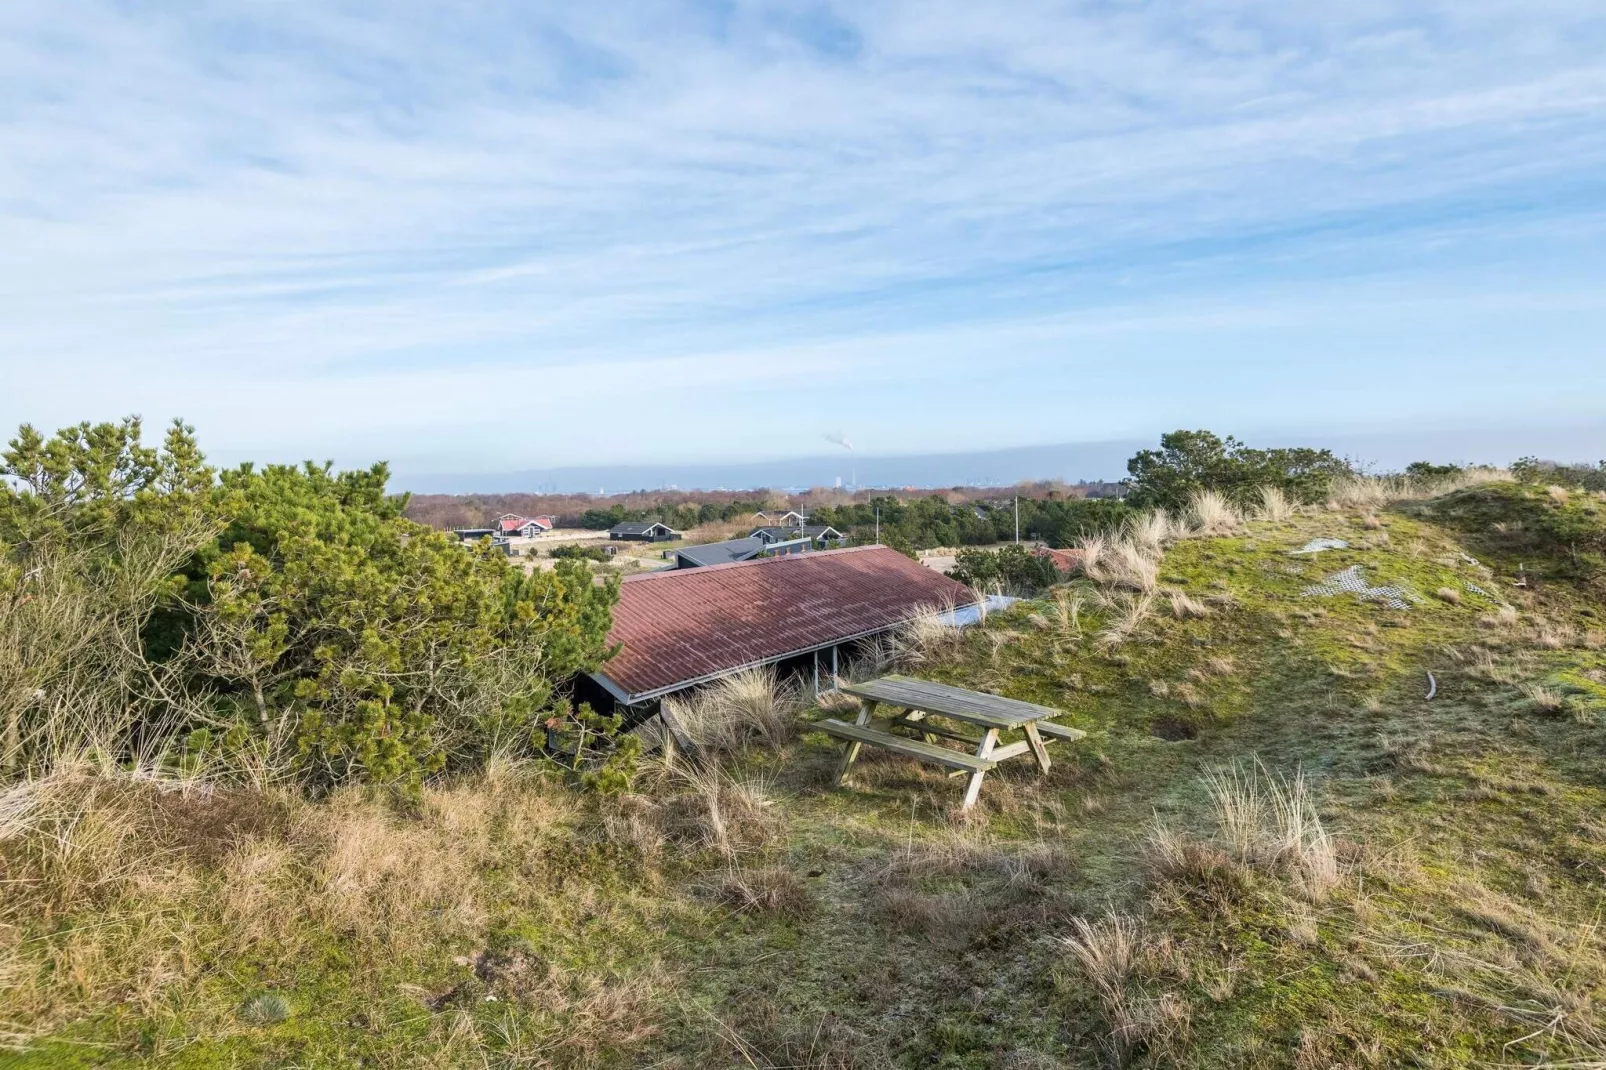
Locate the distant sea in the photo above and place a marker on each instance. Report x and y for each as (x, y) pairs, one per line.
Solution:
(1072, 462)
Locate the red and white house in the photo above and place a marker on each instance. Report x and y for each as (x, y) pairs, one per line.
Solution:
(526, 527)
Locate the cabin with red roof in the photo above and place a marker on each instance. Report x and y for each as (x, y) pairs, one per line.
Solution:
(510, 525)
(683, 628)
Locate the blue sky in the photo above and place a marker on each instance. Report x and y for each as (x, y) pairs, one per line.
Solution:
(491, 236)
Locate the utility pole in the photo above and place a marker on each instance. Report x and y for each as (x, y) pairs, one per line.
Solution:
(1017, 518)
(878, 525)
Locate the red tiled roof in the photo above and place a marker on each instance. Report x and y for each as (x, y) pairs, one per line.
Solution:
(510, 522)
(689, 625)
(1066, 561)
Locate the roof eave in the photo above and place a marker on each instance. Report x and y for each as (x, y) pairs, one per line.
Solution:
(647, 696)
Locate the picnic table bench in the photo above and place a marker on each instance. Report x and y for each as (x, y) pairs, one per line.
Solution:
(920, 700)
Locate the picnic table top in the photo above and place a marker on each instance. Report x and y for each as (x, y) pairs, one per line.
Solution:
(992, 711)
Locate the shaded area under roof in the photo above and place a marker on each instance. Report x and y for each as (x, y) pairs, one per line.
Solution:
(688, 626)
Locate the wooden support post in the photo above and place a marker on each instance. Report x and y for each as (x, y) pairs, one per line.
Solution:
(1035, 741)
(866, 708)
(675, 737)
(973, 787)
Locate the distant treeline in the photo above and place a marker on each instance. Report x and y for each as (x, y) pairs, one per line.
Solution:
(687, 509)
(679, 515)
(1052, 512)
(448, 511)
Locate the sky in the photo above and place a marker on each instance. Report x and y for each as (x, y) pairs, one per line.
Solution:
(494, 237)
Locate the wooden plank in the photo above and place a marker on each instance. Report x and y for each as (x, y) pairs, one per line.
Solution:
(1009, 750)
(913, 748)
(675, 736)
(984, 753)
(926, 727)
(992, 711)
(1035, 741)
(866, 710)
(1060, 731)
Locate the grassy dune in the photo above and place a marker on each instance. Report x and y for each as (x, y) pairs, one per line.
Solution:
(1271, 850)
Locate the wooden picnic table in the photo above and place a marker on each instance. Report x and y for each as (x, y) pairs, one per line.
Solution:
(919, 700)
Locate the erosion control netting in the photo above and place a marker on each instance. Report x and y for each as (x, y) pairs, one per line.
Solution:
(1351, 581)
(1316, 546)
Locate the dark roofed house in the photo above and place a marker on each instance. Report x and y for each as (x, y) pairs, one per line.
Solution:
(790, 518)
(643, 531)
(719, 553)
(820, 535)
(684, 627)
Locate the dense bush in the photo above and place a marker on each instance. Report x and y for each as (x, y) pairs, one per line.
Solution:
(287, 613)
(1427, 471)
(575, 552)
(1012, 569)
(1191, 461)
(1550, 473)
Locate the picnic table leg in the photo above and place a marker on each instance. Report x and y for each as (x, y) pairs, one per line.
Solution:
(920, 715)
(973, 786)
(1035, 741)
(866, 708)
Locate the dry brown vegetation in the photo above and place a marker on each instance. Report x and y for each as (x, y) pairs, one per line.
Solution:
(751, 706)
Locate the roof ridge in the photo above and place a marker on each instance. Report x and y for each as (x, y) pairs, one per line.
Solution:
(669, 573)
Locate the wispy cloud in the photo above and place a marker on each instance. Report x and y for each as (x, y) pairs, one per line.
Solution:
(708, 228)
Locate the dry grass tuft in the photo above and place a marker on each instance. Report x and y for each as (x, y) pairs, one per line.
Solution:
(1543, 699)
(753, 705)
(1065, 614)
(1126, 612)
(1263, 820)
(772, 890)
(1107, 951)
(836, 702)
(1110, 953)
(1211, 514)
(1504, 617)
(1448, 594)
(1184, 607)
(1123, 563)
(1551, 637)
(1274, 505)
(928, 637)
(1150, 531)
(721, 812)
(1202, 867)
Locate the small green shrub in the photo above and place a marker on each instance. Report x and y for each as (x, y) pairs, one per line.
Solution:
(265, 1008)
